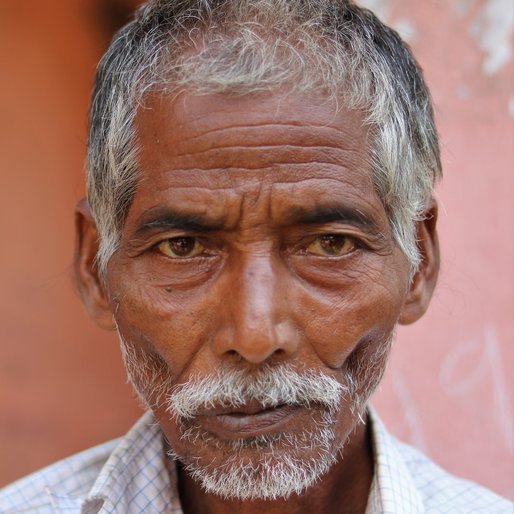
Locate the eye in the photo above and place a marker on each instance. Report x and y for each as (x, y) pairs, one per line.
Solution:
(181, 247)
(332, 245)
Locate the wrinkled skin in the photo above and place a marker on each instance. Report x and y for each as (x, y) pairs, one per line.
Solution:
(256, 238)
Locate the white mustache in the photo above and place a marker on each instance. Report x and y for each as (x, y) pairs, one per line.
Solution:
(270, 387)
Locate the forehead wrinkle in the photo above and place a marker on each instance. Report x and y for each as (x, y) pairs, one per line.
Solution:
(202, 116)
(184, 199)
(240, 127)
(292, 172)
(315, 136)
(268, 168)
(237, 148)
(303, 197)
(259, 157)
(255, 205)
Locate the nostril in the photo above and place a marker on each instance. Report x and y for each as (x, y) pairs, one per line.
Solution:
(232, 354)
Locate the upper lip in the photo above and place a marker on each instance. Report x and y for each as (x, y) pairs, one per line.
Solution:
(249, 409)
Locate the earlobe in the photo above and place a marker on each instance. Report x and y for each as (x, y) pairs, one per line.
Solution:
(424, 281)
(90, 285)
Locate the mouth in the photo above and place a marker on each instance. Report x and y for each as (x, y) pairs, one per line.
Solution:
(251, 420)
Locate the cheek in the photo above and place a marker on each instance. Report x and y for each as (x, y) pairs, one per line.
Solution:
(361, 311)
(161, 321)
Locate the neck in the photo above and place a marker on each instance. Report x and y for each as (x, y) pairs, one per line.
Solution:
(344, 489)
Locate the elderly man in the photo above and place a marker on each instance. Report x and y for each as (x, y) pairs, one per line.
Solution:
(259, 219)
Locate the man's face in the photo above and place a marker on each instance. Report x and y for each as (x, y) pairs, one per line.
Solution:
(255, 252)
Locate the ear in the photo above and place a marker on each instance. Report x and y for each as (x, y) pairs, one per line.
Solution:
(424, 280)
(91, 287)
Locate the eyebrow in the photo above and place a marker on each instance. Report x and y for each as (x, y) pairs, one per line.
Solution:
(168, 219)
(335, 214)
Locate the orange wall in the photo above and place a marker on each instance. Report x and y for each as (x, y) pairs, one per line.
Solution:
(449, 388)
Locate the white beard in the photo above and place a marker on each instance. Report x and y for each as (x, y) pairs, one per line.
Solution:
(269, 466)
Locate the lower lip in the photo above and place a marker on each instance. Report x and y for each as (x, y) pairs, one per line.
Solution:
(241, 426)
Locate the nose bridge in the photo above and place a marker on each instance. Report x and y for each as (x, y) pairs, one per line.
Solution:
(257, 310)
(257, 294)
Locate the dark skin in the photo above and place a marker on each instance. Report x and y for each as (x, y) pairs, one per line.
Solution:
(256, 237)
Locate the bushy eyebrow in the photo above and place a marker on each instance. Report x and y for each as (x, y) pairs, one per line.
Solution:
(162, 220)
(334, 214)
(167, 219)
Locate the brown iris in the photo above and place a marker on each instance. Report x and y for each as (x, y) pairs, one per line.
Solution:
(331, 245)
(181, 247)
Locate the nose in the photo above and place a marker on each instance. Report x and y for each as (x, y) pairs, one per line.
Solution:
(259, 325)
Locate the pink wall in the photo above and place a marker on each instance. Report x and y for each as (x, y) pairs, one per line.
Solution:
(449, 389)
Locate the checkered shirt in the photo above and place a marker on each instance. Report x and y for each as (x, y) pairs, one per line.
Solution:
(129, 476)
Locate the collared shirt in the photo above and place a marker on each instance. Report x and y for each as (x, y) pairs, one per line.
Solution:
(129, 476)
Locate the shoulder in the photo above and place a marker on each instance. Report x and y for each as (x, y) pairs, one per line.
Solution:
(73, 476)
(442, 492)
(408, 481)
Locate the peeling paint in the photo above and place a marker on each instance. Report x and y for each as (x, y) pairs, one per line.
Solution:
(407, 30)
(492, 31)
(379, 7)
(511, 107)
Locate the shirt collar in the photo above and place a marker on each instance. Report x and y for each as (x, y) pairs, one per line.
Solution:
(393, 488)
(134, 478)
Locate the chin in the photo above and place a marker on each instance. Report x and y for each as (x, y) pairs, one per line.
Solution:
(267, 466)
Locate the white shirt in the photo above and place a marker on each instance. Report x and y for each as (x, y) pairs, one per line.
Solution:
(129, 476)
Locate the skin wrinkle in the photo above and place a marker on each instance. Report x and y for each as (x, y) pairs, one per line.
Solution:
(339, 154)
(333, 172)
(341, 307)
(231, 161)
(259, 298)
(266, 301)
(321, 133)
(279, 216)
(237, 129)
(242, 169)
(303, 48)
(345, 277)
(341, 196)
(261, 148)
(192, 436)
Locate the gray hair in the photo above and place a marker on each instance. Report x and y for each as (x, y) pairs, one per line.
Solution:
(246, 46)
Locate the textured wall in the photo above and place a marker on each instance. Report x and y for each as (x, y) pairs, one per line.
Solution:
(449, 388)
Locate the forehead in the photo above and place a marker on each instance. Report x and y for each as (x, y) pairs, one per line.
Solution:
(216, 149)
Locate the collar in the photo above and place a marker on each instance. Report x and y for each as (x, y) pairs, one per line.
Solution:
(133, 479)
(393, 488)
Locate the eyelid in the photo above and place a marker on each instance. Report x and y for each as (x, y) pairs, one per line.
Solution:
(360, 238)
(158, 238)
